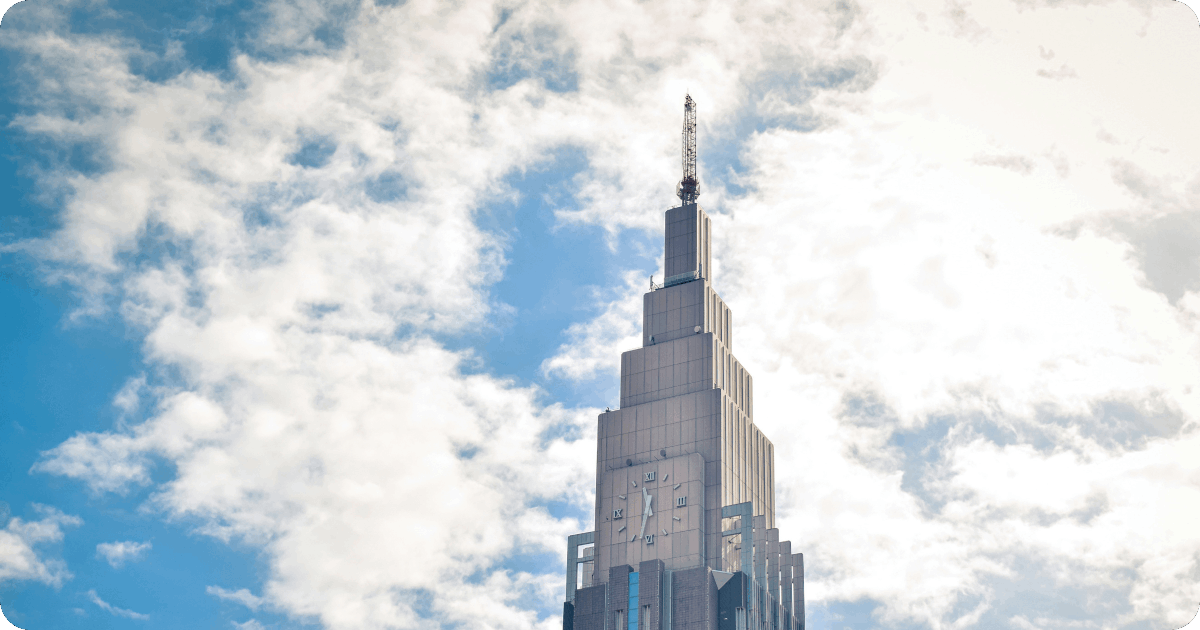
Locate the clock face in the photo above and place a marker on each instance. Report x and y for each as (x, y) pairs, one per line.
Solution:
(646, 533)
(651, 514)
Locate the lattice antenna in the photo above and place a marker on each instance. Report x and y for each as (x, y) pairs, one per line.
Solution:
(689, 186)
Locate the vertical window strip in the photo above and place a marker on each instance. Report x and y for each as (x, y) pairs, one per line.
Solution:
(771, 462)
(762, 469)
(758, 469)
(753, 474)
(737, 456)
(741, 386)
(749, 476)
(726, 451)
(742, 455)
(716, 320)
(708, 242)
(733, 460)
(633, 601)
(762, 477)
(750, 399)
(721, 320)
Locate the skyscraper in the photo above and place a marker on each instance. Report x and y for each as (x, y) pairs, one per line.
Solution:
(685, 533)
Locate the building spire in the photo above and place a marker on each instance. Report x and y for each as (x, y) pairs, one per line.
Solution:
(689, 187)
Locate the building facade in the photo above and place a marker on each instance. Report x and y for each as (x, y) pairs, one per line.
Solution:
(685, 534)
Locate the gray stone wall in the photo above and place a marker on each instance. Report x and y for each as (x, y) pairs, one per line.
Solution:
(667, 369)
(688, 240)
(618, 595)
(650, 577)
(694, 600)
(589, 608)
(676, 311)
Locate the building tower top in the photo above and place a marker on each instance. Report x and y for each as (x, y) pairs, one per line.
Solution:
(685, 535)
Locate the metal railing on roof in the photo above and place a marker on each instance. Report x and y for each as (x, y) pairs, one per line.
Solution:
(678, 278)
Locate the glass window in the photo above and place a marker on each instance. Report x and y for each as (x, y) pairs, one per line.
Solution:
(633, 601)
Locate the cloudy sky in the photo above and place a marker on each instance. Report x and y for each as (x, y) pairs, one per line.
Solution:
(309, 307)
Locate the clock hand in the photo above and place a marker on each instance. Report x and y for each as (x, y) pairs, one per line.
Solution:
(646, 512)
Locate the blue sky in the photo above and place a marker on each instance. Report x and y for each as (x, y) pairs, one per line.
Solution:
(309, 307)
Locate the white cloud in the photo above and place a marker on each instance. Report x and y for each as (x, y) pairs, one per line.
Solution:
(115, 611)
(19, 558)
(888, 283)
(111, 462)
(120, 552)
(241, 596)
(321, 209)
(591, 345)
(252, 624)
(316, 416)
(128, 399)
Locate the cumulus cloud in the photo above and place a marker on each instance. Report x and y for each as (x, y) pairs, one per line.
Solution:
(110, 462)
(591, 345)
(1017, 163)
(966, 398)
(128, 399)
(19, 557)
(241, 596)
(113, 610)
(120, 552)
(1062, 72)
(320, 238)
(296, 241)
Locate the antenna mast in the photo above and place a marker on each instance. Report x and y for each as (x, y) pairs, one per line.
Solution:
(689, 187)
